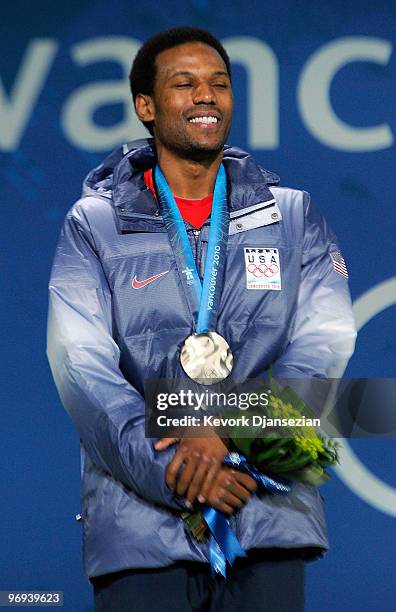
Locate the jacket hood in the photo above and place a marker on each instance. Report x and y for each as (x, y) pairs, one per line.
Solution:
(120, 177)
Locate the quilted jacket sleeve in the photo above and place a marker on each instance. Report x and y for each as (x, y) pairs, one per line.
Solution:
(323, 336)
(106, 410)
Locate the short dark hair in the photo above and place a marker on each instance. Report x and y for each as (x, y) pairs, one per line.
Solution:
(142, 74)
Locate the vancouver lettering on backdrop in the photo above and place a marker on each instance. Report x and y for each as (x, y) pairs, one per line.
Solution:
(254, 55)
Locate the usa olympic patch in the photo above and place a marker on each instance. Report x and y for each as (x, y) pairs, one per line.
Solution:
(262, 268)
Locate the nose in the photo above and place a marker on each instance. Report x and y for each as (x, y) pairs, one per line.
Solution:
(204, 94)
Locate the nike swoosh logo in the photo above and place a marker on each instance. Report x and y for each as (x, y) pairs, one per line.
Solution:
(136, 284)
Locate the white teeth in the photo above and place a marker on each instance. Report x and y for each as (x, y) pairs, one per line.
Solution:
(203, 120)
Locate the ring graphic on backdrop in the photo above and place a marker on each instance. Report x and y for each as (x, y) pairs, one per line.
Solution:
(351, 470)
(263, 270)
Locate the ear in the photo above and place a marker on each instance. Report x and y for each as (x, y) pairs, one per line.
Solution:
(144, 106)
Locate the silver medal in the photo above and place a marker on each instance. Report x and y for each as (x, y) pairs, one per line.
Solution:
(206, 358)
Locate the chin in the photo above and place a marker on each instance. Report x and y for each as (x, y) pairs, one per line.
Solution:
(201, 149)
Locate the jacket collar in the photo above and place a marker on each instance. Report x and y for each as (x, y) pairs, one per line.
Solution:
(120, 177)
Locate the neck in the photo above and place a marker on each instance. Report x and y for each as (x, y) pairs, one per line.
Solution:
(188, 178)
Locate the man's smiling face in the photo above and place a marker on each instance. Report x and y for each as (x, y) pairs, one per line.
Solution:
(192, 100)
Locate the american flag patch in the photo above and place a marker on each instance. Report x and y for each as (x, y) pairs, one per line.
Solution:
(339, 263)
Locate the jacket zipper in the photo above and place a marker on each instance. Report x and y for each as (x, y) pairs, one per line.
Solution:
(198, 250)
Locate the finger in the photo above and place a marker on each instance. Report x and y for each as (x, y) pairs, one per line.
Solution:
(165, 443)
(232, 500)
(227, 486)
(225, 508)
(198, 479)
(185, 478)
(228, 480)
(237, 490)
(174, 467)
(209, 480)
(217, 501)
(246, 481)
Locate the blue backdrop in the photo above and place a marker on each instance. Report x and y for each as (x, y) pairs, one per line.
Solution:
(315, 97)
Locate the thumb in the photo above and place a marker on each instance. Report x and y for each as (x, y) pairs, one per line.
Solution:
(165, 443)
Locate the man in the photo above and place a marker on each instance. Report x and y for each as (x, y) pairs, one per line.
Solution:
(120, 312)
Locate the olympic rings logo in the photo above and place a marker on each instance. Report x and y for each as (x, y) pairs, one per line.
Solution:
(263, 270)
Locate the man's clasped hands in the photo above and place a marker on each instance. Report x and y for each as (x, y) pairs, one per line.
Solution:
(197, 473)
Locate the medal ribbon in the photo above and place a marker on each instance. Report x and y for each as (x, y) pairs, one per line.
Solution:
(223, 544)
(204, 302)
(203, 299)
